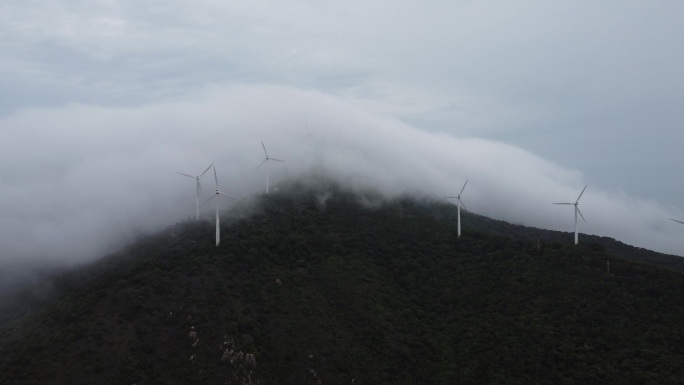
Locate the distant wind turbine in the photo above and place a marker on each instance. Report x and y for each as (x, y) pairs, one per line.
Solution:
(267, 161)
(199, 188)
(308, 132)
(577, 211)
(216, 194)
(459, 203)
(677, 221)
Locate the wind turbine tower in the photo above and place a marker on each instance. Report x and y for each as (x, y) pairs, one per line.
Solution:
(459, 203)
(308, 132)
(199, 188)
(216, 194)
(267, 161)
(577, 211)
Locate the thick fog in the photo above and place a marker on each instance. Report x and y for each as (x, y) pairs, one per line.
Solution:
(82, 180)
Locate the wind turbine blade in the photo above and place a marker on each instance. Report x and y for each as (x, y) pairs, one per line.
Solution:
(462, 204)
(279, 160)
(226, 195)
(580, 213)
(207, 201)
(216, 178)
(677, 221)
(205, 171)
(563, 204)
(262, 163)
(180, 173)
(264, 147)
(450, 197)
(464, 184)
(578, 198)
(199, 186)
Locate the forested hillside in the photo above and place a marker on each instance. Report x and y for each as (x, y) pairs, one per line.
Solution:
(325, 286)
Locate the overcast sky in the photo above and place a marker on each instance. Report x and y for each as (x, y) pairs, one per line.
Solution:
(103, 101)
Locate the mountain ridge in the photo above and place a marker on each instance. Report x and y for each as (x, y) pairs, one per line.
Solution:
(314, 286)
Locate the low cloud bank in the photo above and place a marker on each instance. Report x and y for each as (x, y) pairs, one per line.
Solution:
(82, 180)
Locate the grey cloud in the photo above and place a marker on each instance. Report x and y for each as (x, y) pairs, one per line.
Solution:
(80, 181)
(592, 86)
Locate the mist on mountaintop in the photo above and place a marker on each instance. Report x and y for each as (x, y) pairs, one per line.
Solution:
(82, 180)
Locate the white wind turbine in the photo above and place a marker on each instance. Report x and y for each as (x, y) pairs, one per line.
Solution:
(216, 194)
(199, 188)
(267, 161)
(459, 203)
(577, 211)
(308, 132)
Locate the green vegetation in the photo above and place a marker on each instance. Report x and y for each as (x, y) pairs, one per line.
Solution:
(320, 287)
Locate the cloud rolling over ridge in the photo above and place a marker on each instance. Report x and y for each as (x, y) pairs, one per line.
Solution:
(83, 180)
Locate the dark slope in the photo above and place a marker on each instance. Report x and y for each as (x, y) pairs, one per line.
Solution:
(339, 291)
(479, 224)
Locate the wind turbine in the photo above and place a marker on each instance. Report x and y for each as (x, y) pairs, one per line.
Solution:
(577, 211)
(308, 132)
(216, 194)
(199, 188)
(459, 203)
(677, 221)
(267, 160)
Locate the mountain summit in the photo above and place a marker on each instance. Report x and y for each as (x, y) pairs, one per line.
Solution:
(325, 286)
